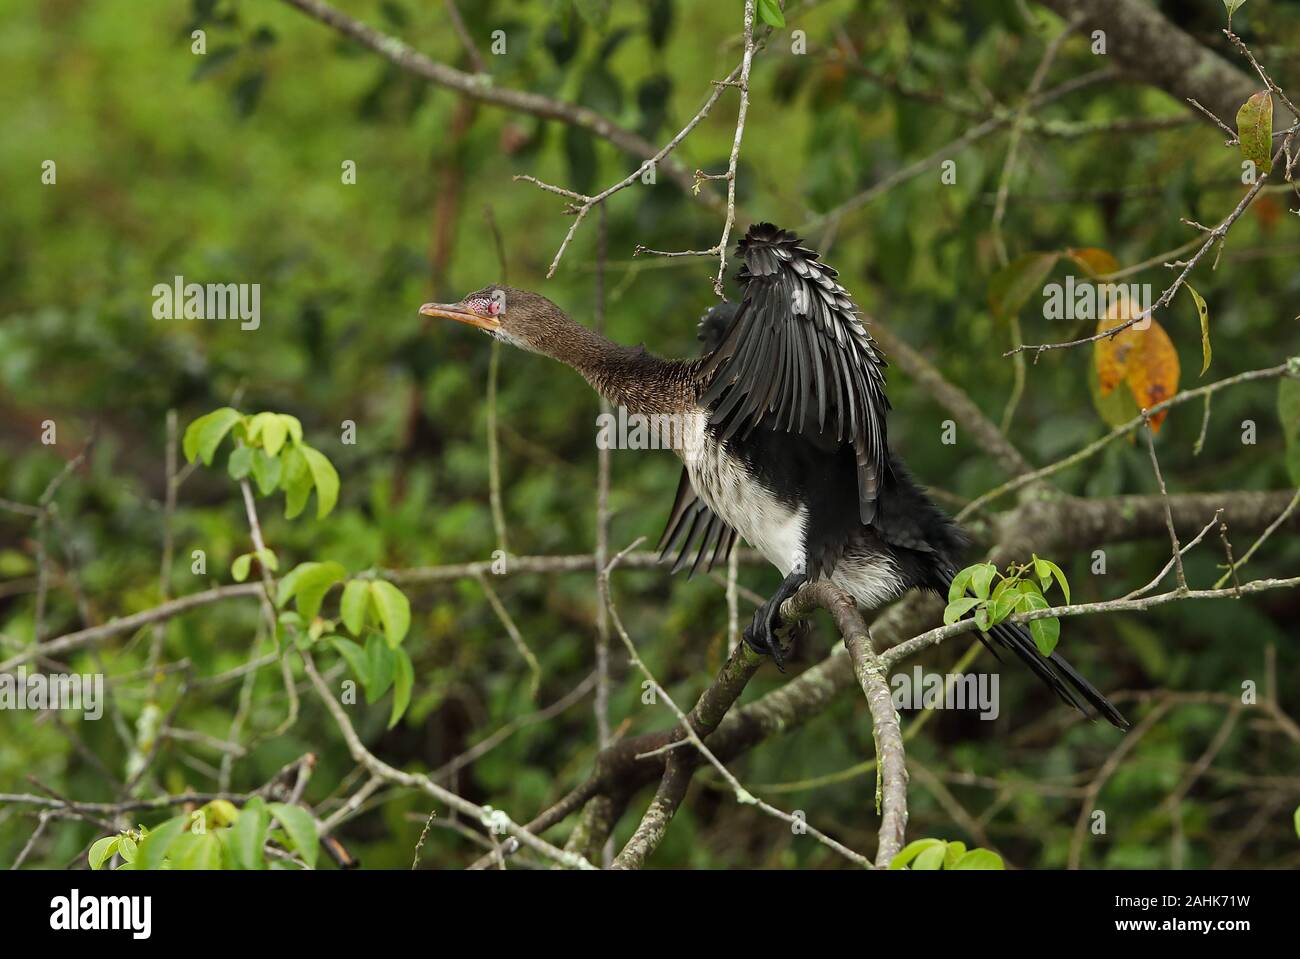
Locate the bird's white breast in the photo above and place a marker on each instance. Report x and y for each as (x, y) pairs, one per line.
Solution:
(772, 527)
(871, 580)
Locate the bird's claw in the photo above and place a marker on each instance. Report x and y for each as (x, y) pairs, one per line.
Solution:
(761, 634)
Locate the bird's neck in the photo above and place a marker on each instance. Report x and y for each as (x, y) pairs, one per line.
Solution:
(627, 376)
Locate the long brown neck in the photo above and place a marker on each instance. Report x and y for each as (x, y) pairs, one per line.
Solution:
(627, 376)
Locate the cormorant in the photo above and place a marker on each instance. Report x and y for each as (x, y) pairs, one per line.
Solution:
(783, 435)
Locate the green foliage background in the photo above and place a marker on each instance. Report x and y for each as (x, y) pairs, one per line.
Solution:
(226, 168)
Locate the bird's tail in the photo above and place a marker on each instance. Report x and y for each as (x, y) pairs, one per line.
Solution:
(1053, 670)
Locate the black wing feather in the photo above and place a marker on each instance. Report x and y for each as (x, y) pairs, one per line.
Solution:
(693, 527)
(797, 343)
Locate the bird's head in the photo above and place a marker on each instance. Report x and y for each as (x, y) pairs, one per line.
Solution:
(519, 317)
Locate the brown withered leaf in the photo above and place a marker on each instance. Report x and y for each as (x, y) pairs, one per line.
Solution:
(1096, 261)
(1143, 360)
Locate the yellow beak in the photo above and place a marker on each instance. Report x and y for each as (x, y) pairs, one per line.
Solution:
(454, 311)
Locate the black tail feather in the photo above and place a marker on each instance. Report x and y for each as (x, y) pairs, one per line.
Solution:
(1053, 670)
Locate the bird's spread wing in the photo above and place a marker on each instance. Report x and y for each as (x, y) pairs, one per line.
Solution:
(798, 358)
(693, 526)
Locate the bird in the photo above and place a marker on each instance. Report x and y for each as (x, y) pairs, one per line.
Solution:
(783, 434)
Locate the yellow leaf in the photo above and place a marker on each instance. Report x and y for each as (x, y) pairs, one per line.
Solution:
(1143, 359)
(1204, 313)
(1115, 409)
(1153, 373)
(1095, 261)
(1111, 354)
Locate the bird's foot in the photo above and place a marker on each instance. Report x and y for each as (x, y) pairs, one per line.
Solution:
(761, 633)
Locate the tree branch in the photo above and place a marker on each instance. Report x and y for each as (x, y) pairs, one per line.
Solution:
(1151, 49)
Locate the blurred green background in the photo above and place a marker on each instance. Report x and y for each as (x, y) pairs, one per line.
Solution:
(226, 167)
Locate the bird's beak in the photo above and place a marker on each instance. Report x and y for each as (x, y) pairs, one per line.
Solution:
(457, 312)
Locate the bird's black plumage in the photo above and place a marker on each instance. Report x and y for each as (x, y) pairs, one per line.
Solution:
(797, 358)
(793, 389)
(691, 524)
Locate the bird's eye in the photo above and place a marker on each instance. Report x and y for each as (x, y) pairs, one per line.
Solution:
(493, 307)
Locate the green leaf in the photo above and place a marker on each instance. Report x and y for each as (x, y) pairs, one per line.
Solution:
(254, 428)
(353, 607)
(274, 433)
(1043, 571)
(394, 610)
(959, 583)
(356, 659)
(958, 608)
(301, 827)
(1297, 820)
(204, 435)
(227, 846)
(1288, 410)
(1255, 130)
(1232, 7)
(1005, 604)
(288, 585)
(240, 462)
(379, 667)
(153, 848)
(239, 568)
(296, 481)
(248, 835)
(267, 558)
(931, 859)
(293, 425)
(102, 851)
(982, 578)
(1031, 599)
(953, 854)
(1046, 571)
(979, 859)
(770, 13)
(326, 479)
(1059, 575)
(1204, 313)
(127, 849)
(266, 472)
(1012, 286)
(197, 851)
(308, 583)
(403, 681)
(1046, 633)
(912, 850)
